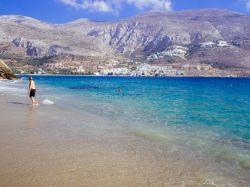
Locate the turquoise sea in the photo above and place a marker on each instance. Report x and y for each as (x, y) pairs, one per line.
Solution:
(220, 105)
(205, 118)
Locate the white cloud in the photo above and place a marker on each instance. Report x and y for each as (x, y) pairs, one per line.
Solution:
(160, 5)
(72, 3)
(248, 4)
(115, 6)
(99, 5)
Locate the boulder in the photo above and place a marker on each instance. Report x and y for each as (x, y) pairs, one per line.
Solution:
(5, 72)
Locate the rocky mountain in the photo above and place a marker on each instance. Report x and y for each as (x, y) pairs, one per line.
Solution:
(5, 71)
(218, 38)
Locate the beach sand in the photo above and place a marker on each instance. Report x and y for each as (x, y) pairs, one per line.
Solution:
(52, 145)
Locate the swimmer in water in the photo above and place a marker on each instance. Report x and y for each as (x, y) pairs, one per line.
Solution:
(119, 90)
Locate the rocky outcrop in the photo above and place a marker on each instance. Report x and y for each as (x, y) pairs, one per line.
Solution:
(32, 48)
(5, 72)
(209, 35)
(32, 38)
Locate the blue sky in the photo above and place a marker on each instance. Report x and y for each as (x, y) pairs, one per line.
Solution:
(61, 11)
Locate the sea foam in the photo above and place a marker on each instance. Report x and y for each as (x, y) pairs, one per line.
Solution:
(16, 87)
(48, 102)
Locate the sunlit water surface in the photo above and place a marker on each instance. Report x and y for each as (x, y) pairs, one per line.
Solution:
(195, 119)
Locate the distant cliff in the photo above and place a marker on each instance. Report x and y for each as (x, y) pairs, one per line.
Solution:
(5, 71)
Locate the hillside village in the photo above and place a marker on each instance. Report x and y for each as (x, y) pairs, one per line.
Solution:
(155, 65)
(135, 69)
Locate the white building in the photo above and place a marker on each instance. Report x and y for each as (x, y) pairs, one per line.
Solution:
(222, 43)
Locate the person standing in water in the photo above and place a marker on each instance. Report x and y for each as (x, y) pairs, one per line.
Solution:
(32, 91)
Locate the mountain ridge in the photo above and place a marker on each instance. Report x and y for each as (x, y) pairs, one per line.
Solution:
(215, 37)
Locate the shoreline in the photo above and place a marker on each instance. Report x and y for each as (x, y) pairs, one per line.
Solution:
(236, 77)
(60, 145)
(48, 152)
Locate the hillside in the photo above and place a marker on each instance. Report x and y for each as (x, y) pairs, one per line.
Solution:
(188, 41)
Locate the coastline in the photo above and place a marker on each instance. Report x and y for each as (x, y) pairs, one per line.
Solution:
(177, 76)
(38, 151)
(62, 145)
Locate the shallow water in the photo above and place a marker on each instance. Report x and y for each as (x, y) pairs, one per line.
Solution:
(166, 131)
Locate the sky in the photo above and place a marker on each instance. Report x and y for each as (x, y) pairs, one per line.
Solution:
(62, 11)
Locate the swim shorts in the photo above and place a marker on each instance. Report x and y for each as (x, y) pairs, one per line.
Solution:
(32, 92)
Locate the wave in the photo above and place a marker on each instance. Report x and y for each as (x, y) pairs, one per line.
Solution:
(12, 87)
(48, 102)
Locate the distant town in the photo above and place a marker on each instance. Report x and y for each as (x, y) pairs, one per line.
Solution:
(171, 62)
(115, 68)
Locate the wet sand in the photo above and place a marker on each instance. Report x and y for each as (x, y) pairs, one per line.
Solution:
(60, 146)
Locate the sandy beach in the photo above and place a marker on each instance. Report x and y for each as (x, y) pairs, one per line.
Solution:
(55, 146)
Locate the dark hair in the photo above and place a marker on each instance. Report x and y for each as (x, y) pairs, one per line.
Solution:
(30, 78)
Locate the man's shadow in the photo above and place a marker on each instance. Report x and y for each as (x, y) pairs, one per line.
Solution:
(18, 103)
